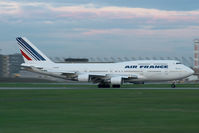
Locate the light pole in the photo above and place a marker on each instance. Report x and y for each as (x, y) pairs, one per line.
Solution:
(196, 48)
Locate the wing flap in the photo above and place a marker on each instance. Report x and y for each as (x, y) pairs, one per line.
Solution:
(96, 78)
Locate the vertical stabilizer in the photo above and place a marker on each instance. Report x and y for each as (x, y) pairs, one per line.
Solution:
(30, 53)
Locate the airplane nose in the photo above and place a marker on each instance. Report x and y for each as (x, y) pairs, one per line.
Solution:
(190, 71)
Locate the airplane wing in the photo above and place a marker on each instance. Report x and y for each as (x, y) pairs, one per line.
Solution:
(64, 75)
(96, 78)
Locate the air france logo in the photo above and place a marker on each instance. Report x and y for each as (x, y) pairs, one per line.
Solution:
(147, 66)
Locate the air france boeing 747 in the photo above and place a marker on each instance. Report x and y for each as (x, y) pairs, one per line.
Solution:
(103, 74)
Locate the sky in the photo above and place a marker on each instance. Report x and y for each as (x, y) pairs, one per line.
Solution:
(101, 28)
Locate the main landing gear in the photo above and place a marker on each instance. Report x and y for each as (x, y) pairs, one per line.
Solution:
(107, 85)
(116, 86)
(104, 85)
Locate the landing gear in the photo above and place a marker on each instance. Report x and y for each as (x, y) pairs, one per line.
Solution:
(173, 85)
(104, 85)
(107, 85)
(116, 86)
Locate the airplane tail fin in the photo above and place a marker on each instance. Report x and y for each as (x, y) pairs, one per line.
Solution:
(30, 53)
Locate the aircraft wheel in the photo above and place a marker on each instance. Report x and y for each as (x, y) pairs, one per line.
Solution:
(107, 86)
(104, 85)
(99, 86)
(116, 86)
(173, 86)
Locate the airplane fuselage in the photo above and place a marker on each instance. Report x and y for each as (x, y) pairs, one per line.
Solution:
(146, 70)
(105, 74)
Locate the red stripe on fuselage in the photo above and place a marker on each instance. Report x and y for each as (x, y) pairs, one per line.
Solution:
(25, 55)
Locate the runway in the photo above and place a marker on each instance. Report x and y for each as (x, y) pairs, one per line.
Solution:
(81, 88)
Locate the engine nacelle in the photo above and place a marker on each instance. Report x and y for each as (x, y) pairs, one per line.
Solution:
(83, 78)
(116, 80)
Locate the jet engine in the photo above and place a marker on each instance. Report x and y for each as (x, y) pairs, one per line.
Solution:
(116, 80)
(83, 78)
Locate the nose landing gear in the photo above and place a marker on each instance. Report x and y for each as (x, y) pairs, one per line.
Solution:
(173, 85)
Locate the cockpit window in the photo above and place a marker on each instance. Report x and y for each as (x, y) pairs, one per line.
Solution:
(178, 63)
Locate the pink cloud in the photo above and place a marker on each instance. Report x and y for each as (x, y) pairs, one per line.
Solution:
(90, 11)
(13, 8)
(9, 8)
(124, 13)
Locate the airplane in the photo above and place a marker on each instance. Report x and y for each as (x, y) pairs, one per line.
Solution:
(106, 75)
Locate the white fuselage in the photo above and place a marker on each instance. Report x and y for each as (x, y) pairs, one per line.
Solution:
(105, 74)
(144, 70)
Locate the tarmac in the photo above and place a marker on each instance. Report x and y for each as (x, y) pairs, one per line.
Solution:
(80, 88)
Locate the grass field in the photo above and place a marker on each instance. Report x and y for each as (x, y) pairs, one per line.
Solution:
(99, 111)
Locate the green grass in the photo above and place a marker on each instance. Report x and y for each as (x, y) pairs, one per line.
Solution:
(99, 111)
(95, 86)
(43, 85)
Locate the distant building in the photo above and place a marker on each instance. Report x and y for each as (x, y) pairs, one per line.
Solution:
(10, 64)
(14, 63)
(4, 66)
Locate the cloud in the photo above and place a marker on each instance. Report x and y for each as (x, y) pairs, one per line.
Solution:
(114, 12)
(9, 8)
(48, 22)
(191, 31)
(16, 8)
(114, 29)
(92, 11)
